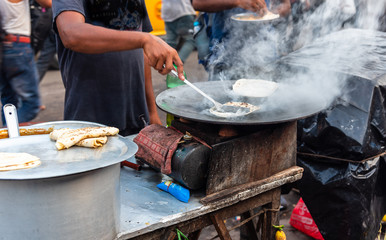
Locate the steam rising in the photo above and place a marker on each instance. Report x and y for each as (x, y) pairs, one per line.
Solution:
(252, 50)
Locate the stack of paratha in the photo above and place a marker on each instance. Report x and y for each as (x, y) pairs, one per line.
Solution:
(86, 137)
(16, 161)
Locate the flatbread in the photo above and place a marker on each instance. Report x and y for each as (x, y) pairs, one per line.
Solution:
(88, 142)
(92, 142)
(254, 87)
(70, 137)
(251, 108)
(16, 161)
(57, 132)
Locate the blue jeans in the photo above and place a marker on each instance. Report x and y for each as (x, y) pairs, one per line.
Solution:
(181, 28)
(19, 84)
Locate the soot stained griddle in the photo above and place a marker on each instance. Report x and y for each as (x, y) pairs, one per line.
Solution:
(184, 102)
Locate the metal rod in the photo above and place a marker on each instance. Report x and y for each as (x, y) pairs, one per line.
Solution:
(217, 104)
(134, 166)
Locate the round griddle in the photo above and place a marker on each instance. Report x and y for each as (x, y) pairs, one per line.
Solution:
(182, 101)
(74, 160)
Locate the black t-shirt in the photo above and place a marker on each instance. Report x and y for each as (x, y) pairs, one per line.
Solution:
(106, 88)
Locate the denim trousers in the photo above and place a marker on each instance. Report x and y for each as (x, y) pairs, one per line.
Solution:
(19, 83)
(181, 29)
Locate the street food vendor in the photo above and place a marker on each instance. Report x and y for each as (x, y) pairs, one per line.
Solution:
(105, 53)
(220, 14)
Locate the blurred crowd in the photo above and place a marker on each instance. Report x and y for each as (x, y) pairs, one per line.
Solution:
(28, 40)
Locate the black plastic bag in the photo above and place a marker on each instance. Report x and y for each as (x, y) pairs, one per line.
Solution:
(346, 200)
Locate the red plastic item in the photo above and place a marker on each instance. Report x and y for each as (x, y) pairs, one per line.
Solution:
(301, 220)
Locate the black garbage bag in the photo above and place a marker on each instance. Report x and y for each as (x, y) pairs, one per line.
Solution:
(354, 128)
(346, 200)
(342, 149)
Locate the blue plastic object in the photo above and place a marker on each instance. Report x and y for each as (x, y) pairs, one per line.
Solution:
(176, 190)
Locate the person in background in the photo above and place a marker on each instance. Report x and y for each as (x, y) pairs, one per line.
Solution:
(179, 16)
(105, 53)
(2, 34)
(41, 24)
(370, 14)
(18, 78)
(220, 15)
(42, 37)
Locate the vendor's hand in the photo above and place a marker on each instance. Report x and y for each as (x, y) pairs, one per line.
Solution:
(258, 6)
(154, 118)
(161, 56)
(283, 8)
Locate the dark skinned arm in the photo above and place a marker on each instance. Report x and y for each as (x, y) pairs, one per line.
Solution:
(80, 36)
(282, 7)
(150, 99)
(220, 5)
(45, 3)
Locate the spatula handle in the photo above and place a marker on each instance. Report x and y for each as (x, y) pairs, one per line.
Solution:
(217, 104)
(11, 120)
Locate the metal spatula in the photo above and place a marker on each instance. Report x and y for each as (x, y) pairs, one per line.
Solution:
(11, 120)
(219, 107)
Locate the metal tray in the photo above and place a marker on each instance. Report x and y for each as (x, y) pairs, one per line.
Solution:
(74, 160)
(252, 18)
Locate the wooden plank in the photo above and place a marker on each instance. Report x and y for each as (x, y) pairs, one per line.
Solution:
(271, 218)
(200, 222)
(252, 233)
(195, 235)
(172, 235)
(220, 227)
(289, 175)
(252, 157)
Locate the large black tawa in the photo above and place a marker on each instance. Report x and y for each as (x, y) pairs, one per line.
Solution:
(282, 106)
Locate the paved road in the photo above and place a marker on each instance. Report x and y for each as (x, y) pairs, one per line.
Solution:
(52, 94)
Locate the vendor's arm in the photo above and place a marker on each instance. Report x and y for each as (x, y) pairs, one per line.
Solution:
(45, 3)
(80, 36)
(220, 5)
(150, 99)
(282, 7)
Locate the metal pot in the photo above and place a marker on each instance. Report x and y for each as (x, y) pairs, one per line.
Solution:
(73, 194)
(79, 206)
